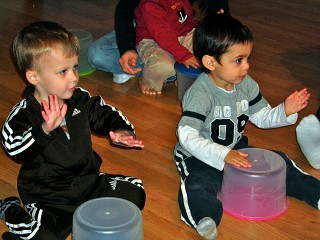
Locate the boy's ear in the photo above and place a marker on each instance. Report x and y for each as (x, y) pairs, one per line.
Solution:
(31, 76)
(209, 62)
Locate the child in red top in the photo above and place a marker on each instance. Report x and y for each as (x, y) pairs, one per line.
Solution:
(164, 35)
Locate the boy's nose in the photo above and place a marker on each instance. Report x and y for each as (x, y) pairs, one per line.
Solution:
(246, 65)
(74, 75)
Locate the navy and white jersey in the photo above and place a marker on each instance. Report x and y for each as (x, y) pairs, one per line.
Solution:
(213, 119)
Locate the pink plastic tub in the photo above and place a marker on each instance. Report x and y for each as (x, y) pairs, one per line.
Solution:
(256, 193)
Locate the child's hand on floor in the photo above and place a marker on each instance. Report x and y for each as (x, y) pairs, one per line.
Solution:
(125, 138)
(237, 158)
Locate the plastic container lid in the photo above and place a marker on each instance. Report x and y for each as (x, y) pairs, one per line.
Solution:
(85, 39)
(255, 193)
(107, 218)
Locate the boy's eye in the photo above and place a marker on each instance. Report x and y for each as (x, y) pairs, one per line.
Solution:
(62, 72)
(239, 60)
(76, 66)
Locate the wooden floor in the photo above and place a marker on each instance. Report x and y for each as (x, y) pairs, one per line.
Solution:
(286, 57)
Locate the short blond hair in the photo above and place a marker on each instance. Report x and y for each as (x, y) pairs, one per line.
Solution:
(38, 39)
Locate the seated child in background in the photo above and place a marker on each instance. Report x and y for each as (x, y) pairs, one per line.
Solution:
(49, 132)
(216, 109)
(164, 35)
(308, 136)
(116, 51)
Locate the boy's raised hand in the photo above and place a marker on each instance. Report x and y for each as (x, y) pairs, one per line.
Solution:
(52, 114)
(125, 139)
(296, 101)
(237, 158)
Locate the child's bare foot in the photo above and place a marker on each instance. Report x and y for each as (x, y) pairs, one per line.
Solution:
(146, 88)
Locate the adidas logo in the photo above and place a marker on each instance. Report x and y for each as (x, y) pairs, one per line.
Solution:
(75, 112)
(113, 184)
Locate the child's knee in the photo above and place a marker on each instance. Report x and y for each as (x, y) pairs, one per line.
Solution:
(166, 68)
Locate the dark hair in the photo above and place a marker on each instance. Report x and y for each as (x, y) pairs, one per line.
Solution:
(213, 6)
(216, 34)
(38, 39)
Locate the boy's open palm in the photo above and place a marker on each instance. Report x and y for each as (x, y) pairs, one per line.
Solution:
(52, 114)
(237, 158)
(125, 139)
(296, 101)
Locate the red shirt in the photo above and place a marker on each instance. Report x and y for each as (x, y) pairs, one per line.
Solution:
(164, 21)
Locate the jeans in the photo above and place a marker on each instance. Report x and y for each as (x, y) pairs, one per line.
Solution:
(103, 54)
